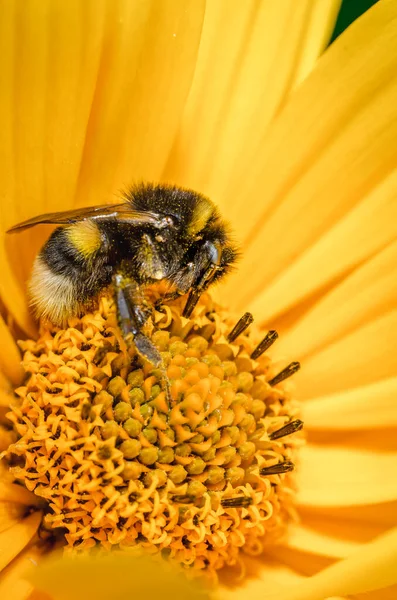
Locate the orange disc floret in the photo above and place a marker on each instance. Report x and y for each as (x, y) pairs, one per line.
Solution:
(197, 474)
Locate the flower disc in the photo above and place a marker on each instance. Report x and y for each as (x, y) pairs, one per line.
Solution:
(197, 475)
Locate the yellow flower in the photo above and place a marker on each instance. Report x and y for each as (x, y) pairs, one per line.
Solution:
(231, 98)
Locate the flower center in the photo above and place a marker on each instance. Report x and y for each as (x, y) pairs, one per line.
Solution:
(195, 477)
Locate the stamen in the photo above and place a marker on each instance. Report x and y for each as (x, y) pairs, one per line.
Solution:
(283, 467)
(237, 502)
(240, 326)
(289, 428)
(183, 499)
(285, 373)
(267, 341)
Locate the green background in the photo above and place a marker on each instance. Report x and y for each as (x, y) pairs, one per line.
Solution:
(349, 11)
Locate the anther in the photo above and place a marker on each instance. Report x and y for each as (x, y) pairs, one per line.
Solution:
(285, 373)
(237, 502)
(240, 326)
(283, 467)
(85, 410)
(289, 428)
(267, 341)
(183, 499)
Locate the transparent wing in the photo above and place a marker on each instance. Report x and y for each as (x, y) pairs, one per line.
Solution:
(121, 211)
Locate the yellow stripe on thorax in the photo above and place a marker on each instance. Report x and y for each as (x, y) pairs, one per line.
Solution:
(201, 215)
(85, 237)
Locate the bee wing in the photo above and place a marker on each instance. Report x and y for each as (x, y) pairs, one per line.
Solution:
(121, 211)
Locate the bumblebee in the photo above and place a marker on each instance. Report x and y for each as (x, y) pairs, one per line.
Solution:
(157, 233)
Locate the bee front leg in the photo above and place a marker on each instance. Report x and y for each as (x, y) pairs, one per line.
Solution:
(132, 315)
(208, 262)
(167, 298)
(183, 282)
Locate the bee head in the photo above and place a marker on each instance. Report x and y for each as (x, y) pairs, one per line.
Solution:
(189, 231)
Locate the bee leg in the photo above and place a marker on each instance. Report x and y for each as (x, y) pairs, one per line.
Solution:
(132, 315)
(167, 297)
(210, 259)
(191, 302)
(184, 283)
(200, 287)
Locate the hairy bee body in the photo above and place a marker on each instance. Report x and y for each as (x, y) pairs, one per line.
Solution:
(65, 278)
(158, 233)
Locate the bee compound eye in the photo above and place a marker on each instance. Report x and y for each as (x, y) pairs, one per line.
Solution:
(214, 253)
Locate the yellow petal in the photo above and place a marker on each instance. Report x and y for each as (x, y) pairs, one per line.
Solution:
(12, 584)
(50, 55)
(117, 576)
(312, 541)
(363, 407)
(5, 385)
(11, 492)
(7, 437)
(389, 593)
(381, 516)
(314, 164)
(316, 542)
(145, 74)
(370, 568)
(11, 293)
(304, 563)
(368, 227)
(320, 23)
(261, 573)
(10, 357)
(14, 539)
(5, 398)
(17, 590)
(363, 357)
(251, 55)
(374, 440)
(6, 434)
(263, 576)
(10, 514)
(334, 476)
(333, 538)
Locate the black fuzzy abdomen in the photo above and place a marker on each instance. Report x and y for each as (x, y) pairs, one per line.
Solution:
(88, 275)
